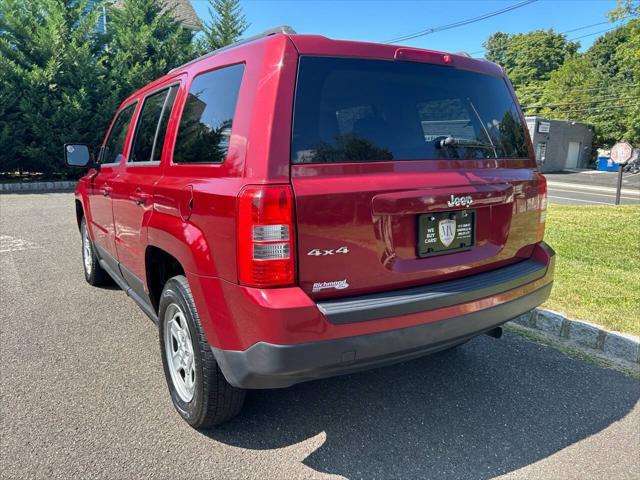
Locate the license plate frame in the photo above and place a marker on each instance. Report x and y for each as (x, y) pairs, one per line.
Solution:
(430, 237)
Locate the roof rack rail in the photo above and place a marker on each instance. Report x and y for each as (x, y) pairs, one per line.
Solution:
(286, 29)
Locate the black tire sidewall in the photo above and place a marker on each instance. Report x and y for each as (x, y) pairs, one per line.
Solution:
(192, 411)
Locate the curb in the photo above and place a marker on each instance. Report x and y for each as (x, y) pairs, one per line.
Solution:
(612, 345)
(67, 185)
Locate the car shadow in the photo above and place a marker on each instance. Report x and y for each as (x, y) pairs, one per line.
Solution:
(484, 409)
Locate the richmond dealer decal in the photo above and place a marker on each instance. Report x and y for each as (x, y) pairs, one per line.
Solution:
(338, 285)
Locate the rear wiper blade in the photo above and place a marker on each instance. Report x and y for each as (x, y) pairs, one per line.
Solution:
(443, 142)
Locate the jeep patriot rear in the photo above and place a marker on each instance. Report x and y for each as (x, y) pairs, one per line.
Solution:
(293, 207)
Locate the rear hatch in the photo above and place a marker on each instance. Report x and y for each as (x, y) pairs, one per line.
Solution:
(406, 173)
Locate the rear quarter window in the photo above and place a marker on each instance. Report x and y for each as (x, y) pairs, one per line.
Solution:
(359, 110)
(207, 118)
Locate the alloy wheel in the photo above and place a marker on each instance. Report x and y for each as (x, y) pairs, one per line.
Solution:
(179, 352)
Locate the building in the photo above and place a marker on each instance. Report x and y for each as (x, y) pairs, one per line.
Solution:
(182, 10)
(560, 144)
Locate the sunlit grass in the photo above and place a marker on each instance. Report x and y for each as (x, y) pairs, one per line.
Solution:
(597, 276)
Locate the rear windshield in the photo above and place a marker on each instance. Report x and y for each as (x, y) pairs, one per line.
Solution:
(355, 110)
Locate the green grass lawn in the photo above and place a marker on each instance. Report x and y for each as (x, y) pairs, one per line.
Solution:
(597, 275)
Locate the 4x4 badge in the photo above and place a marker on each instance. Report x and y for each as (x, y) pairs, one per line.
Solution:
(316, 252)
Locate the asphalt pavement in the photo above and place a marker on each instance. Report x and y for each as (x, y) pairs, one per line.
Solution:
(82, 394)
(592, 187)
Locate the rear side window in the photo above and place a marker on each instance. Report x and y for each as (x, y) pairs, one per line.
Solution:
(152, 125)
(207, 119)
(358, 110)
(114, 146)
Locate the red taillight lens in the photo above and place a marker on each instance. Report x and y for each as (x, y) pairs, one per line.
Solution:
(265, 236)
(542, 205)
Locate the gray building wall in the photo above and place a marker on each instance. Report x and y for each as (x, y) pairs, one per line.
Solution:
(560, 144)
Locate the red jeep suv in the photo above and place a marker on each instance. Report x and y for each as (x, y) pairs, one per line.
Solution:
(294, 207)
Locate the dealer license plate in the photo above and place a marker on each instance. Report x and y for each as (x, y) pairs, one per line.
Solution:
(446, 232)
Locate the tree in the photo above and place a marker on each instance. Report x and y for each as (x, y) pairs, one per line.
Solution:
(61, 80)
(497, 46)
(625, 8)
(600, 87)
(529, 58)
(50, 81)
(227, 24)
(144, 43)
(627, 54)
(603, 51)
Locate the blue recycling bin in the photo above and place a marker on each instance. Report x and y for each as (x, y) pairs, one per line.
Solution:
(605, 164)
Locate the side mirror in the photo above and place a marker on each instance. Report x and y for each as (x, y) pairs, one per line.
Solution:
(77, 155)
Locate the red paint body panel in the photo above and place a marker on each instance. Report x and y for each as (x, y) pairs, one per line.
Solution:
(372, 210)
(286, 316)
(189, 210)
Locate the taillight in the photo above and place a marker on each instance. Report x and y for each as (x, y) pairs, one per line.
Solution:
(265, 236)
(542, 205)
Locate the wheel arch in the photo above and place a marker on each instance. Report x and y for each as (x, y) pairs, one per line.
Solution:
(174, 248)
(160, 266)
(79, 212)
(182, 240)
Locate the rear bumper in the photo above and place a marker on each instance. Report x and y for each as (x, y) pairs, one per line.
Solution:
(274, 365)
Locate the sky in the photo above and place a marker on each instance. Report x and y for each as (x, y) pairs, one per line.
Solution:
(383, 20)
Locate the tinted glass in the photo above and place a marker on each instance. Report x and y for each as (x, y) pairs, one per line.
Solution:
(354, 110)
(207, 119)
(146, 127)
(155, 109)
(164, 121)
(114, 146)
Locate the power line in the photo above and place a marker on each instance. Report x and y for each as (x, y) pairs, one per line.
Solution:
(569, 90)
(594, 33)
(586, 26)
(553, 105)
(460, 23)
(609, 90)
(595, 109)
(581, 89)
(573, 30)
(568, 40)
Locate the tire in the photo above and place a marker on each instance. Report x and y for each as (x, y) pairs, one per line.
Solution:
(94, 274)
(198, 389)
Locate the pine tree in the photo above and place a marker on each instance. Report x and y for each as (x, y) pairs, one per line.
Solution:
(144, 43)
(49, 82)
(61, 80)
(227, 24)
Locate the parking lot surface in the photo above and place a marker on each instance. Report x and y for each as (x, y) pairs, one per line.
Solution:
(82, 394)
